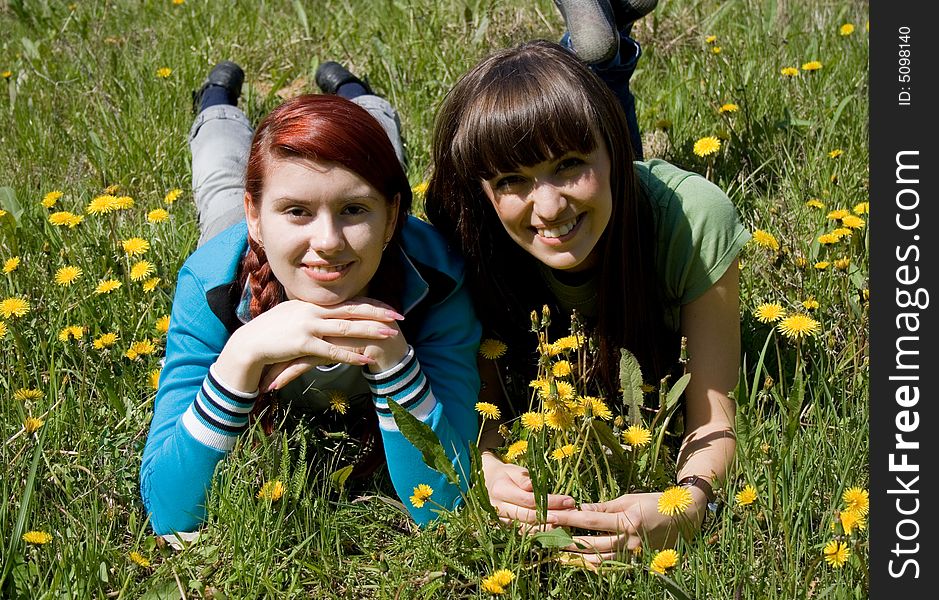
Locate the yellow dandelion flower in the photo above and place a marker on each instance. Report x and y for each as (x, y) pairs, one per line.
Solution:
(835, 153)
(141, 270)
(798, 326)
(716, 49)
(421, 494)
(836, 215)
(14, 307)
(566, 391)
(707, 146)
(11, 264)
(271, 490)
(810, 304)
(562, 368)
(789, 72)
(862, 208)
(179, 2)
(49, 200)
(730, 107)
(663, 561)
(828, 239)
(843, 263)
(710, 39)
(637, 436)
(488, 410)
(559, 420)
(154, 378)
(151, 284)
(852, 222)
(6, 74)
(37, 537)
(822, 265)
(533, 421)
(746, 496)
(857, 499)
(842, 232)
(769, 312)
(515, 450)
(765, 239)
(138, 559)
(812, 65)
(106, 286)
(123, 202)
(846, 29)
(27, 394)
(65, 218)
(565, 451)
(67, 275)
(72, 332)
(135, 246)
(836, 553)
(675, 500)
(32, 424)
(164, 72)
(102, 204)
(162, 324)
(492, 349)
(597, 408)
(497, 582)
(815, 203)
(420, 189)
(111, 189)
(801, 262)
(105, 340)
(338, 401)
(570, 342)
(141, 348)
(158, 215)
(851, 520)
(172, 195)
(3, 329)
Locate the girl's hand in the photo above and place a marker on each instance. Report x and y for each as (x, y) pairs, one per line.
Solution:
(294, 329)
(512, 495)
(631, 520)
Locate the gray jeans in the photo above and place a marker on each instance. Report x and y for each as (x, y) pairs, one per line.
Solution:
(220, 140)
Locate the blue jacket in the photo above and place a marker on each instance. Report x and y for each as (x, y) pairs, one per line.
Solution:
(196, 421)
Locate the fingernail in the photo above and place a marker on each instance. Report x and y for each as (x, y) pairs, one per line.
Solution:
(271, 388)
(389, 331)
(569, 503)
(394, 315)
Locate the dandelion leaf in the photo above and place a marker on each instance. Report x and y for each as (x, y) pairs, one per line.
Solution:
(425, 440)
(673, 587)
(339, 477)
(630, 379)
(10, 205)
(556, 538)
(606, 437)
(478, 492)
(671, 399)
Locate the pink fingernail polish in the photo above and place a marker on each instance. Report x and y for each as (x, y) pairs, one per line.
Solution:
(394, 315)
(389, 331)
(271, 388)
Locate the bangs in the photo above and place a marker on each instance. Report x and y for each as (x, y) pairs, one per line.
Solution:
(521, 118)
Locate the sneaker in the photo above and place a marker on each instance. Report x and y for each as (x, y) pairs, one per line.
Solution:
(330, 75)
(592, 27)
(629, 11)
(225, 74)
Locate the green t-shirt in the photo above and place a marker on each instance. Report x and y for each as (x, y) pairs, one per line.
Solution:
(698, 236)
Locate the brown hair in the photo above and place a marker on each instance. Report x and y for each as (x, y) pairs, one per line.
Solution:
(522, 106)
(333, 130)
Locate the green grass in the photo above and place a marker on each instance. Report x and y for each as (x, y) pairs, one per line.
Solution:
(83, 109)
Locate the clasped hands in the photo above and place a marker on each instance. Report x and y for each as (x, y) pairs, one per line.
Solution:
(624, 523)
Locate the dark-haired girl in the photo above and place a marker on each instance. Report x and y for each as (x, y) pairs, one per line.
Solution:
(311, 280)
(535, 184)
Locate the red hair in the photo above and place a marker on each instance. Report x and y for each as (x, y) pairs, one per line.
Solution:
(326, 129)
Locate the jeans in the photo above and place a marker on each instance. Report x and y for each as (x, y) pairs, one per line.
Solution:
(220, 140)
(616, 73)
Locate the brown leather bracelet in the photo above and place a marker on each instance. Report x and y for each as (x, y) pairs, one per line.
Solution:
(701, 483)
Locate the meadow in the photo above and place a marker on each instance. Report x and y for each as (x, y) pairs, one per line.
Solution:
(768, 98)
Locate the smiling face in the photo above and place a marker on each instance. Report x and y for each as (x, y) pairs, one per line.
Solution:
(558, 209)
(323, 228)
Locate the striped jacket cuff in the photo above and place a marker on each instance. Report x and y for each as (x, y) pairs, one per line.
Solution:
(219, 414)
(405, 384)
